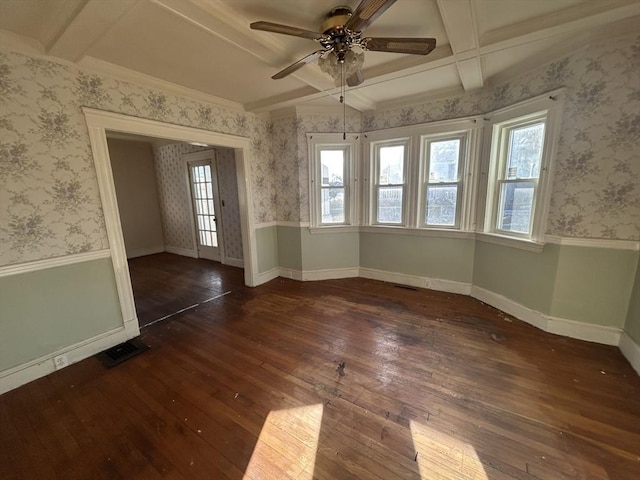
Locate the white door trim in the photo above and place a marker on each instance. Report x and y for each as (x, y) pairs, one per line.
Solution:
(97, 123)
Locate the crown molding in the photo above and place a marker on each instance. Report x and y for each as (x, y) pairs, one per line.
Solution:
(132, 76)
(20, 44)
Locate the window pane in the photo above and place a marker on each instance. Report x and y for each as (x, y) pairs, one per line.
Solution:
(443, 160)
(207, 173)
(390, 204)
(441, 205)
(332, 167)
(391, 165)
(525, 151)
(516, 205)
(332, 205)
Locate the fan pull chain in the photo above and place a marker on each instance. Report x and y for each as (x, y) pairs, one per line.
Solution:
(344, 104)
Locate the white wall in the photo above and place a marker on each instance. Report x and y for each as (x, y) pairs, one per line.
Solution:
(135, 181)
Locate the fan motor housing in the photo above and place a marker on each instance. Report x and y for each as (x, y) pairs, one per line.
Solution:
(335, 20)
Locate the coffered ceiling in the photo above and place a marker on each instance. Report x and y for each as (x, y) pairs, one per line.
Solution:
(206, 46)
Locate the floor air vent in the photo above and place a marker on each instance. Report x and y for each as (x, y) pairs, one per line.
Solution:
(120, 353)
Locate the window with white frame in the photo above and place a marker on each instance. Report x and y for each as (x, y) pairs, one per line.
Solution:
(522, 143)
(443, 159)
(389, 193)
(331, 177)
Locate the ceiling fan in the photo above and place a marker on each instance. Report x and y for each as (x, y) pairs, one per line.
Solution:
(342, 43)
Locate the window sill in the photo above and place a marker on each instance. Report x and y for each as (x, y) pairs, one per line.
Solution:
(519, 243)
(334, 229)
(419, 232)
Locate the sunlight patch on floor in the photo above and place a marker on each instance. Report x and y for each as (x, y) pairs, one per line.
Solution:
(443, 456)
(287, 445)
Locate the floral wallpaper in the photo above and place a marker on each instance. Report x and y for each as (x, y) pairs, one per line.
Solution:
(175, 197)
(596, 191)
(228, 180)
(292, 158)
(49, 199)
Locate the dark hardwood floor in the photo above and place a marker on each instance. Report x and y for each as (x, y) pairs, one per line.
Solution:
(166, 283)
(337, 379)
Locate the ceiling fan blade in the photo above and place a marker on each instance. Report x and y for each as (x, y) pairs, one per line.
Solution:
(365, 13)
(285, 30)
(355, 79)
(299, 64)
(415, 46)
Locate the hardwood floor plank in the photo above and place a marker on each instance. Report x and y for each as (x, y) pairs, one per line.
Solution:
(339, 379)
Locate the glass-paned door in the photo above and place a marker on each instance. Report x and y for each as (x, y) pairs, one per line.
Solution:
(204, 190)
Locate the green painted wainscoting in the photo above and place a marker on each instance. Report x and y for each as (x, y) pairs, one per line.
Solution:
(325, 251)
(430, 257)
(632, 324)
(44, 311)
(593, 285)
(267, 246)
(585, 284)
(524, 277)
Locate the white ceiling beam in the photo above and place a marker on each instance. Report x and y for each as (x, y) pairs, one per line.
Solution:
(460, 24)
(402, 67)
(585, 17)
(88, 26)
(223, 22)
(354, 99)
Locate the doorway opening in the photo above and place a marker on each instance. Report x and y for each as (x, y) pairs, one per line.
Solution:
(99, 123)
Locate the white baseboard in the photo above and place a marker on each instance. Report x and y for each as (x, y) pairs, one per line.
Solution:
(290, 273)
(267, 276)
(330, 273)
(449, 286)
(584, 331)
(185, 252)
(631, 351)
(532, 317)
(559, 326)
(234, 262)
(27, 372)
(142, 252)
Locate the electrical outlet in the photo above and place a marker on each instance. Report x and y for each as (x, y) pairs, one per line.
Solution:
(60, 361)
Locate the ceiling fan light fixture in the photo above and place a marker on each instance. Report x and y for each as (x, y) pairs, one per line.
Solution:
(331, 65)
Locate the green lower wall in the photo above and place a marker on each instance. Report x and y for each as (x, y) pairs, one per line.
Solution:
(525, 277)
(267, 248)
(44, 311)
(585, 284)
(290, 247)
(593, 285)
(432, 257)
(632, 323)
(322, 251)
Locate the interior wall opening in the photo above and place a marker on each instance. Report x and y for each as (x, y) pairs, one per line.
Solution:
(237, 149)
(179, 212)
